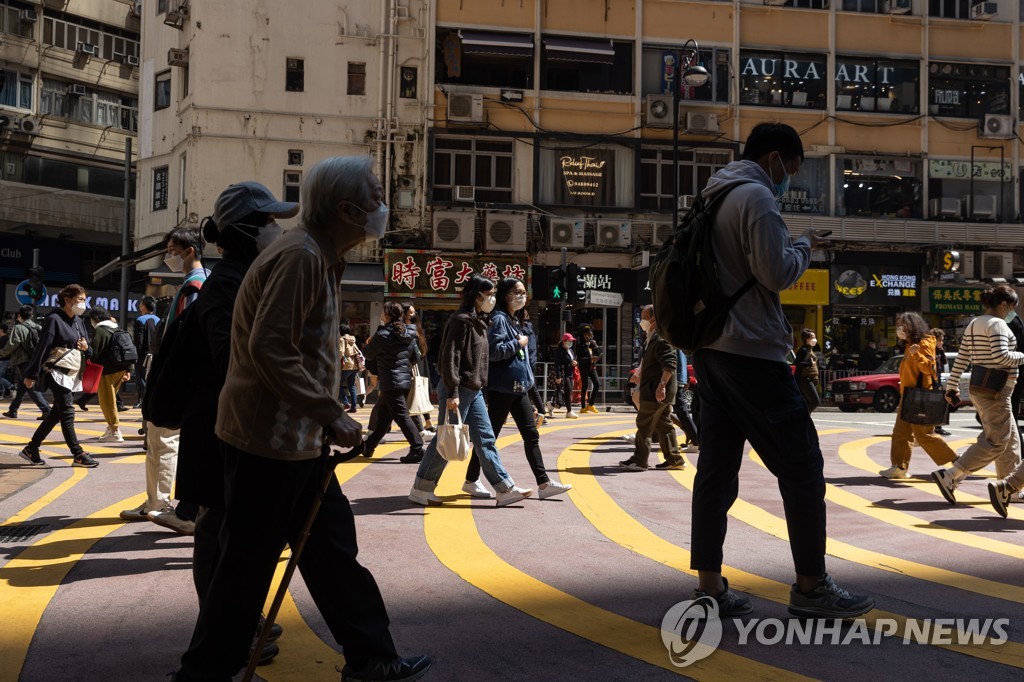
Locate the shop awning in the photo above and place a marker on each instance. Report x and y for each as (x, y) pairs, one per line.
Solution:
(574, 50)
(500, 44)
(363, 277)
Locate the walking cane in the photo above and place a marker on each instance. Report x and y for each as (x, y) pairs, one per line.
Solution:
(333, 456)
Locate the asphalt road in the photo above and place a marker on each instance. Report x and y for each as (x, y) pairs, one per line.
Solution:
(574, 587)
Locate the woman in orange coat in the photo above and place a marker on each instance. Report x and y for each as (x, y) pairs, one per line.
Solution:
(918, 363)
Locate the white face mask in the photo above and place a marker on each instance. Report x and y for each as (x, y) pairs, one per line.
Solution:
(78, 308)
(265, 235)
(376, 222)
(487, 303)
(1010, 316)
(518, 302)
(646, 326)
(174, 262)
(568, 345)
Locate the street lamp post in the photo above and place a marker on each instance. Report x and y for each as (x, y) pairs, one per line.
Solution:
(695, 75)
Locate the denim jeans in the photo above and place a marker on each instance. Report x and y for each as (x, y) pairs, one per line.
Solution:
(749, 399)
(348, 386)
(474, 412)
(499, 406)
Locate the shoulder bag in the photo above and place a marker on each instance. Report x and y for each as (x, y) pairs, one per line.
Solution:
(453, 440)
(924, 406)
(419, 394)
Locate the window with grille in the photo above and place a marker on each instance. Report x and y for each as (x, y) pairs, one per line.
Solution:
(295, 79)
(485, 164)
(356, 78)
(162, 96)
(17, 89)
(695, 169)
(292, 185)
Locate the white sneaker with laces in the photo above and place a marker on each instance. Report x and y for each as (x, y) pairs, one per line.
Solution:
(629, 437)
(571, 415)
(513, 495)
(689, 448)
(168, 519)
(111, 436)
(424, 498)
(552, 488)
(947, 484)
(477, 489)
(894, 473)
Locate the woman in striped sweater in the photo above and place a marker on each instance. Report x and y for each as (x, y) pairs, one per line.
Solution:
(986, 345)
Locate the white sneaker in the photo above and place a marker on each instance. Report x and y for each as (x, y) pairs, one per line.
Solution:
(549, 409)
(513, 495)
(477, 489)
(629, 438)
(571, 415)
(424, 498)
(111, 436)
(552, 488)
(947, 484)
(894, 473)
(426, 436)
(689, 448)
(168, 519)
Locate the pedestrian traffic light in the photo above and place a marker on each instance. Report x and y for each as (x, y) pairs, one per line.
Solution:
(556, 285)
(575, 283)
(35, 289)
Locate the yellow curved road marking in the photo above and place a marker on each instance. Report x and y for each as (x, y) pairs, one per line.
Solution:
(598, 507)
(32, 509)
(452, 535)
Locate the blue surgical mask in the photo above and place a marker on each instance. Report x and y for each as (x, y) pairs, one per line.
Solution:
(1010, 316)
(782, 187)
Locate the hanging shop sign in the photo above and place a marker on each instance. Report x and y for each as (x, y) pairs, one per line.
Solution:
(411, 272)
(955, 300)
(588, 176)
(810, 289)
(885, 285)
(948, 169)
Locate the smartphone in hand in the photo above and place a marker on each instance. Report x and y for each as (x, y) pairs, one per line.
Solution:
(821, 234)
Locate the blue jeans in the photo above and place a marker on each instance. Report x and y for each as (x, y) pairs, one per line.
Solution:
(348, 386)
(474, 412)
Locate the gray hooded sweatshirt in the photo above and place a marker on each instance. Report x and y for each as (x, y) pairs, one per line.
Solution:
(751, 239)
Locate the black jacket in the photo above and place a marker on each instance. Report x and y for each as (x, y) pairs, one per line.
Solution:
(589, 352)
(563, 361)
(59, 331)
(465, 357)
(393, 352)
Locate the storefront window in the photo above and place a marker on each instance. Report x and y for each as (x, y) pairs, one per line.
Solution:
(490, 59)
(881, 85)
(880, 188)
(783, 79)
(968, 90)
(695, 168)
(656, 74)
(950, 188)
(808, 190)
(582, 175)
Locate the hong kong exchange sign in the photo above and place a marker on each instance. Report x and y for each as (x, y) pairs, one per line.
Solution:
(410, 272)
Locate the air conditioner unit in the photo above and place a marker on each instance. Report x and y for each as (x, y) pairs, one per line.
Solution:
(29, 126)
(967, 264)
(505, 231)
(177, 9)
(565, 232)
(996, 264)
(465, 107)
(982, 206)
(176, 57)
(997, 127)
(701, 122)
(464, 193)
(77, 90)
(661, 233)
(897, 6)
(658, 111)
(455, 230)
(614, 234)
(131, 60)
(984, 10)
(28, 16)
(945, 207)
(686, 201)
(86, 48)
(292, 64)
(118, 57)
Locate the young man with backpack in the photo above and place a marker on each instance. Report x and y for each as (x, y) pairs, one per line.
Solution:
(747, 391)
(112, 348)
(24, 338)
(143, 332)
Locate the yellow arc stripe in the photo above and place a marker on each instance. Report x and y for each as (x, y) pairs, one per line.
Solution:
(453, 537)
(618, 526)
(30, 580)
(856, 455)
(35, 507)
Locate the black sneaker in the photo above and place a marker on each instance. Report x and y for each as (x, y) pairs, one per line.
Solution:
(43, 416)
(411, 458)
(730, 604)
(678, 465)
(828, 600)
(275, 630)
(31, 456)
(388, 670)
(11, 414)
(83, 459)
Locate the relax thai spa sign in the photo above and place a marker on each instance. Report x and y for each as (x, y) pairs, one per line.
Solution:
(411, 272)
(587, 177)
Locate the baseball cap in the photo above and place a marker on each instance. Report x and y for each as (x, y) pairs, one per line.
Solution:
(568, 337)
(243, 198)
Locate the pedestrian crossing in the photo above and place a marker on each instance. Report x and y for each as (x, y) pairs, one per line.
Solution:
(464, 537)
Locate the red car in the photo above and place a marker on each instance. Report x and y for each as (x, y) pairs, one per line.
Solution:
(881, 388)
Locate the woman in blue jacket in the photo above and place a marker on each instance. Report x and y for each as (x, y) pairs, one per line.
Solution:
(509, 380)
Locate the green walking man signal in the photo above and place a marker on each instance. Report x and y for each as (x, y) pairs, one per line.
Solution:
(556, 282)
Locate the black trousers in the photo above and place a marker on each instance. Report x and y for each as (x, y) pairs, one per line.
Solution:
(684, 417)
(588, 378)
(206, 550)
(391, 408)
(63, 412)
(499, 406)
(344, 591)
(748, 399)
(20, 390)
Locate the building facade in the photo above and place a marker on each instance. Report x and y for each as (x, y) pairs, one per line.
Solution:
(69, 83)
(559, 116)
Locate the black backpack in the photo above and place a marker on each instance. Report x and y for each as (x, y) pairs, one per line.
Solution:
(690, 307)
(120, 353)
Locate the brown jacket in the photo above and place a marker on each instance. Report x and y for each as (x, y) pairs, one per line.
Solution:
(919, 365)
(283, 376)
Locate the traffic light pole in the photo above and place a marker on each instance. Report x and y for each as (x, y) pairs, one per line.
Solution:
(561, 305)
(122, 309)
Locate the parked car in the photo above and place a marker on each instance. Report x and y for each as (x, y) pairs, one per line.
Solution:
(881, 389)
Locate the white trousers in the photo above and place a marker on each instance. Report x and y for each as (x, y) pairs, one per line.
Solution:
(161, 461)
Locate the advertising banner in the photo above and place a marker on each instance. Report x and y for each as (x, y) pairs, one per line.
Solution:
(882, 285)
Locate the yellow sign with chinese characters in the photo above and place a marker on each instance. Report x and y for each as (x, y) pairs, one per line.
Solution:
(810, 289)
